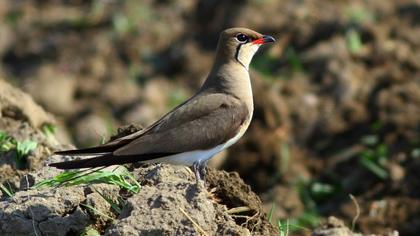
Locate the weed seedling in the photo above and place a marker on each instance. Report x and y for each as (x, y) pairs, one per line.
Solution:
(89, 231)
(114, 205)
(6, 142)
(49, 129)
(375, 156)
(283, 227)
(97, 211)
(21, 149)
(271, 212)
(7, 190)
(288, 225)
(354, 41)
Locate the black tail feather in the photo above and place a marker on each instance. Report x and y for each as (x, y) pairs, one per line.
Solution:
(76, 164)
(98, 161)
(86, 151)
(106, 159)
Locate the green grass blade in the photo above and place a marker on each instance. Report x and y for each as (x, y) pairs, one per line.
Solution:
(374, 168)
(7, 191)
(123, 179)
(97, 211)
(112, 203)
(270, 214)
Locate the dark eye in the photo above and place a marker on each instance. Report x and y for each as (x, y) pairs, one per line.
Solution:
(242, 38)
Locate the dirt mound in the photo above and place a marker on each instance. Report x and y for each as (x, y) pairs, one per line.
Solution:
(20, 106)
(168, 203)
(24, 127)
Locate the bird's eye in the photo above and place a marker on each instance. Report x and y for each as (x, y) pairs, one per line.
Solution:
(242, 38)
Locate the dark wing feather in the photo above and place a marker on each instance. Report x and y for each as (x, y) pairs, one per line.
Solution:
(200, 134)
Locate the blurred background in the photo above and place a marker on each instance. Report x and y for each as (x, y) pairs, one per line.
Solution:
(337, 97)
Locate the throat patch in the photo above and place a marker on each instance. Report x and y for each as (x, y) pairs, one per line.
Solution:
(245, 52)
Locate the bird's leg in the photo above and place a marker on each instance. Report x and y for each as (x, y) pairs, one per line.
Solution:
(196, 169)
(203, 170)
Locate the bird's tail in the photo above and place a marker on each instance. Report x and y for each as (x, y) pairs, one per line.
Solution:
(92, 162)
(97, 161)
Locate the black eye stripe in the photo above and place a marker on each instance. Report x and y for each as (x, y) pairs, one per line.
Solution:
(237, 51)
(238, 48)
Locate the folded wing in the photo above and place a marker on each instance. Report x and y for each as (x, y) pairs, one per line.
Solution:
(199, 124)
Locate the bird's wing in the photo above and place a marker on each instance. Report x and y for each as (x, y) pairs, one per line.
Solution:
(201, 123)
(178, 115)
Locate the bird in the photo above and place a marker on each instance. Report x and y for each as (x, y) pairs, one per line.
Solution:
(213, 119)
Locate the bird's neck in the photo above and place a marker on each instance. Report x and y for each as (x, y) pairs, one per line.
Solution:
(232, 78)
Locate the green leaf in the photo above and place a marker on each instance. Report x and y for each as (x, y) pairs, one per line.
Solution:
(6, 142)
(89, 231)
(49, 129)
(270, 214)
(354, 41)
(375, 168)
(8, 191)
(23, 148)
(319, 188)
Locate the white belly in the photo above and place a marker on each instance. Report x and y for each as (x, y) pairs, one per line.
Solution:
(188, 158)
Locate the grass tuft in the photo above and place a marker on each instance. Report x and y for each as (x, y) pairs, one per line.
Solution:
(120, 177)
(375, 157)
(21, 148)
(6, 142)
(283, 227)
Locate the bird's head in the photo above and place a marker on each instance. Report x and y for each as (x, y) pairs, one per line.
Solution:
(240, 44)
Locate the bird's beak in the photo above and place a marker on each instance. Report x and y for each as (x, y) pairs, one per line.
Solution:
(264, 39)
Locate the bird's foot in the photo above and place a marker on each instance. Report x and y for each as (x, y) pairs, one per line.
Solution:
(200, 172)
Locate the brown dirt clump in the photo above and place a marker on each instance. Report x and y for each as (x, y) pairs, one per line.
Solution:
(173, 205)
(20, 106)
(22, 119)
(231, 191)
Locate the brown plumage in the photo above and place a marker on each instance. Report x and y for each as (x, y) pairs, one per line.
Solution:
(210, 121)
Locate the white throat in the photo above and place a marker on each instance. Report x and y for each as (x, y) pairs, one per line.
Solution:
(246, 52)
